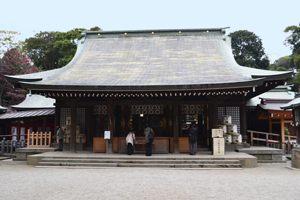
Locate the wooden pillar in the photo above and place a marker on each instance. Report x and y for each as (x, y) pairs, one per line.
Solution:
(18, 137)
(243, 124)
(89, 125)
(282, 134)
(214, 111)
(73, 126)
(176, 126)
(296, 121)
(56, 119)
(298, 135)
(110, 127)
(44, 124)
(270, 126)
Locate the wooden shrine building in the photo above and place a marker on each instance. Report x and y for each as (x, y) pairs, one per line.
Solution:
(122, 80)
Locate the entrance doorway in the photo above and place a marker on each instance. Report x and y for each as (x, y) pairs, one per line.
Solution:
(201, 123)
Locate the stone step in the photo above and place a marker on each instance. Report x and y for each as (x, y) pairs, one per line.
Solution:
(143, 165)
(141, 158)
(140, 161)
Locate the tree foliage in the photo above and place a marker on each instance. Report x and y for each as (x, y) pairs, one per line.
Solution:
(293, 40)
(13, 63)
(283, 62)
(66, 45)
(9, 40)
(41, 50)
(51, 50)
(248, 50)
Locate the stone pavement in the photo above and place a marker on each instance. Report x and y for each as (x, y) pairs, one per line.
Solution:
(267, 181)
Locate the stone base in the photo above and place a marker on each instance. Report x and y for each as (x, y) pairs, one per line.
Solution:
(233, 147)
(296, 158)
(23, 153)
(246, 145)
(265, 154)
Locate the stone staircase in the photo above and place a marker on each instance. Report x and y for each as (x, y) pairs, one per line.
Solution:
(140, 161)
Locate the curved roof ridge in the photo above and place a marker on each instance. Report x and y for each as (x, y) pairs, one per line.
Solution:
(202, 60)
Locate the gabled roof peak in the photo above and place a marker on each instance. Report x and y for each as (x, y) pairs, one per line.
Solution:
(155, 31)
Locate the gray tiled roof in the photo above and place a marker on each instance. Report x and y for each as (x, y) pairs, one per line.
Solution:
(26, 114)
(34, 101)
(2, 108)
(192, 59)
(281, 93)
(292, 104)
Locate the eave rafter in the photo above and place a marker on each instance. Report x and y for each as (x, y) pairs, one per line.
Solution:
(87, 94)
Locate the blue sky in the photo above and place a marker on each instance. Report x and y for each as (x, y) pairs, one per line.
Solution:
(267, 19)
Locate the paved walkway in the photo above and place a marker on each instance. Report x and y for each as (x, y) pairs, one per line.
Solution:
(267, 181)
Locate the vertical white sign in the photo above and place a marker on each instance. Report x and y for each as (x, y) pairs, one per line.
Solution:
(107, 135)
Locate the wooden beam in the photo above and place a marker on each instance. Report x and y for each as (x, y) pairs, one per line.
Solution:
(215, 115)
(282, 134)
(243, 117)
(44, 124)
(176, 119)
(18, 131)
(73, 126)
(56, 119)
(110, 127)
(270, 126)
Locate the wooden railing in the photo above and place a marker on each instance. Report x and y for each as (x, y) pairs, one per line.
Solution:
(271, 140)
(38, 139)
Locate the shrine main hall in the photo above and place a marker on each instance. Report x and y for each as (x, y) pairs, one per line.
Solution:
(127, 80)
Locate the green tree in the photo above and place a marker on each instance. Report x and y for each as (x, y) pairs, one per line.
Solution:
(66, 44)
(248, 50)
(296, 82)
(51, 50)
(41, 49)
(293, 40)
(284, 62)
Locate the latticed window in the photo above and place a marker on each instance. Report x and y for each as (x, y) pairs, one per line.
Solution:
(153, 109)
(100, 110)
(80, 119)
(191, 109)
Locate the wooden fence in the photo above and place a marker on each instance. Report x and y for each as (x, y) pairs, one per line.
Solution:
(38, 139)
(271, 140)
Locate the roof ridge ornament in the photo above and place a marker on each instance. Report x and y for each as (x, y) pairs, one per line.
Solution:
(83, 34)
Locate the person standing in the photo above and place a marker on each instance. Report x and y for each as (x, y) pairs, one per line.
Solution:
(149, 137)
(193, 132)
(60, 134)
(130, 142)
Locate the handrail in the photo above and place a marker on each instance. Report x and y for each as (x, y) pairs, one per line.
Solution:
(13, 135)
(267, 140)
(273, 134)
(272, 141)
(290, 136)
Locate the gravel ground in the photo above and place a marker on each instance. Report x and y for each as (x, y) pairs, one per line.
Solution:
(267, 181)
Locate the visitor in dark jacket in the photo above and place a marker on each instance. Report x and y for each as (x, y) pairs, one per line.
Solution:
(60, 134)
(193, 132)
(148, 141)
